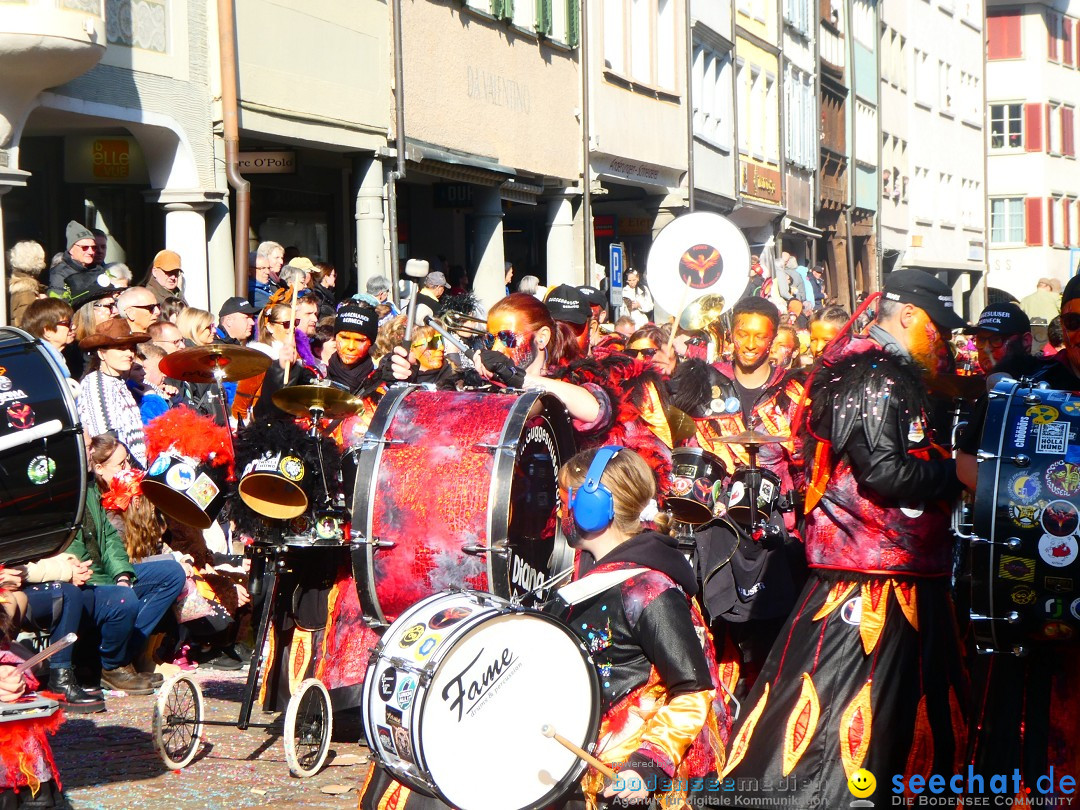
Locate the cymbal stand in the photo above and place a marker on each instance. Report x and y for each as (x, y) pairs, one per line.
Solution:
(313, 434)
(219, 382)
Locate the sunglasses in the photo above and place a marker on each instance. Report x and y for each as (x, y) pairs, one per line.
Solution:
(506, 338)
(995, 341)
(295, 323)
(105, 305)
(432, 343)
(63, 323)
(84, 247)
(642, 354)
(147, 307)
(1070, 321)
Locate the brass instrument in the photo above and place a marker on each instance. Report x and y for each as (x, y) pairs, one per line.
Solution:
(464, 324)
(703, 315)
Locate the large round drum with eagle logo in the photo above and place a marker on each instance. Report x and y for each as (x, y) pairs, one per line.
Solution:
(1026, 535)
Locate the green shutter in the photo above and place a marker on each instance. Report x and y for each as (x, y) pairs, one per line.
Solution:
(508, 9)
(543, 17)
(497, 8)
(573, 23)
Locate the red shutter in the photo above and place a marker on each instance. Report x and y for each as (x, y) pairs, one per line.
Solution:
(1067, 42)
(1003, 35)
(1051, 36)
(1065, 238)
(1033, 221)
(1033, 141)
(1068, 143)
(1049, 220)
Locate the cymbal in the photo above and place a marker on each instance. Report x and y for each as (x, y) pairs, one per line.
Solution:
(197, 364)
(957, 386)
(683, 428)
(300, 400)
(752, 437)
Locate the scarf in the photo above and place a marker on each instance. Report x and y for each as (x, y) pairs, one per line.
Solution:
(353, 377)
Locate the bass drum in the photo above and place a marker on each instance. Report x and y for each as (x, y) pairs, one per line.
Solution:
(458, 490)
(43, 462)
(458, 692)
(1024, 569)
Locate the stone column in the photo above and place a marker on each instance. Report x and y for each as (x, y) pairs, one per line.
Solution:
(185, 232)
(489, 284)
(562, 254)
(371, 245)
(9, 179)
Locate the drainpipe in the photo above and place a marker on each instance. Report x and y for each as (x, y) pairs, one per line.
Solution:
(690, 195)
(584, 55)
(230, 123)
(398, 172)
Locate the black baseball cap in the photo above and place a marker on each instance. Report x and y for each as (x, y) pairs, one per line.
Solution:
(237, 304)
(929, 294)
(1002, 319)
(567, 304)
(594, 296)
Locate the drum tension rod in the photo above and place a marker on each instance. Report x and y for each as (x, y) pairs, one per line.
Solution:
(376, 542)
(1012, 617)
(487, 446)
(1019, 460)
(477, 548)
(1013, 543)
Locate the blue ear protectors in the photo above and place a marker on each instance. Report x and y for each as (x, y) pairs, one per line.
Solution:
(592, 503)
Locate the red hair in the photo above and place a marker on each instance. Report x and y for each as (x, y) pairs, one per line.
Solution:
(534, 317)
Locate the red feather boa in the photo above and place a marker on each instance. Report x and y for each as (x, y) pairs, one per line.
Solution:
(192, 435)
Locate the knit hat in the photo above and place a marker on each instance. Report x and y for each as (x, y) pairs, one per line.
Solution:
(362, 320)
(76, 233)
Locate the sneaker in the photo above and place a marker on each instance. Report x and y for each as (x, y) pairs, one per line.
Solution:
(126, 679)
(223, 659)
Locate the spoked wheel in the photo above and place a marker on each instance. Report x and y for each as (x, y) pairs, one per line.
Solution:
(309, 722)
(178, 714)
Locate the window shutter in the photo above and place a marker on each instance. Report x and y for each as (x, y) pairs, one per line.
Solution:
(1003, 36)
(497, 7)
(1068, 144)
(1067, 42)
(1049, 220)
(1051, 35)
(508, 9)
(1065, 237)
(573, 23)
(1033, 141)
(1048, 138)
(1033, 221)
(543, 17)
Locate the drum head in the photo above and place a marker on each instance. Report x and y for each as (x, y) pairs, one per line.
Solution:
(491, 696)
(272, 495)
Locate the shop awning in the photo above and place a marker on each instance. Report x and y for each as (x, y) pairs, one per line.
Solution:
(454, 165)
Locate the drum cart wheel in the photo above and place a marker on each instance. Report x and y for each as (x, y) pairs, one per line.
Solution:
(177, 726)
(309, 722)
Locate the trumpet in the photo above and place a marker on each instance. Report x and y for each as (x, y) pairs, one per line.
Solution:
(464, 324)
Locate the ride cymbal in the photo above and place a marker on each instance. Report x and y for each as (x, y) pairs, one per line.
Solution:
(752, 437)
(301, 400)
(199, 363)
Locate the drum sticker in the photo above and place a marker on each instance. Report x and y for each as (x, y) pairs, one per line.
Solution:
(1020, 569)
(41, 470)
(445, 618)
(738, 489)
(1053, 439)
(684, 470)
(1059, 584)
(404, 745)
(394, 717)
(701, 266)
(1057, 396)
(765, 493)
(386, 739)
(427, 647)
(1063, 478)
(1023, 595)
(7, 393)
(1072, 406)
(1060, 518)
(20, 416)
(1020, 432)
(406, 692)
(702, 492)
(412, 635)
(160, 465)
(1057, 630)
(1074, 609)
(1024, 487)
(1026, 516)
(203, 491)
(1054, 607)
(180, 477)
(1042, 414)
(387, 682)
(292, 468)
(681, 486)
(1057, 551)
(916, 430)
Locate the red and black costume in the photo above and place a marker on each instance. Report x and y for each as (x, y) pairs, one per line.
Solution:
(867, 672)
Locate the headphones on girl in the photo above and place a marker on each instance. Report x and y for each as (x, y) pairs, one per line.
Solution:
(592, 504)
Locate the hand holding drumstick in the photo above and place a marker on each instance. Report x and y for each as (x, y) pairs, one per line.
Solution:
(623, 778)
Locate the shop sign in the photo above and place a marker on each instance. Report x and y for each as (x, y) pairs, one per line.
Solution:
(604, 225)
(452, 195)
(104, 159)
(762, 183)
(635, 172)
(266, 162)
(635, 226)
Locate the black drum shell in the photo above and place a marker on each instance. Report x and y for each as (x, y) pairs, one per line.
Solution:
(186, 489)
(695, 474)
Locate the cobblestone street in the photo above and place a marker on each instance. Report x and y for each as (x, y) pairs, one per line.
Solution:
(108, 760)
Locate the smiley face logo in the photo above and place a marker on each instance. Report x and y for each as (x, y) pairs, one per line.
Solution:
(861, 783)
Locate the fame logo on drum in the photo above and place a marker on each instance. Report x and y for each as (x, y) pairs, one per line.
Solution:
(1057, 551)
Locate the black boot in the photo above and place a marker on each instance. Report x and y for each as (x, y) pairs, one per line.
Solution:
(75, 700)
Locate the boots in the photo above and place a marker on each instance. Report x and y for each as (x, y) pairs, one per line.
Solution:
(126, 679)
(76, 700)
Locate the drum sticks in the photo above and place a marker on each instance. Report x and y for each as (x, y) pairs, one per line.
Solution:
(549, 731)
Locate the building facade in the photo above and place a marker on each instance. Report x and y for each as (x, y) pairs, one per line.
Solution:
(712, 98)
(801, 121)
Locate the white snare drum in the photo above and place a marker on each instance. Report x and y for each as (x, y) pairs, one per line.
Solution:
(458, 691)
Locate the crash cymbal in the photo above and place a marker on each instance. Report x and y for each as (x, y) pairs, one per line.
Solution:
(957, 386)
(300, 400)
(197, 364)
(752, 437)
(683, 428)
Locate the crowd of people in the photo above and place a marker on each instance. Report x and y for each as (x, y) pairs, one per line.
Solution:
(823, 642)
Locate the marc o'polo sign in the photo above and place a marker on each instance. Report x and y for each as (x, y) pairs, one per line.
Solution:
(266, 162)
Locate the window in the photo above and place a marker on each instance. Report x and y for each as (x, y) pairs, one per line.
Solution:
(640, 40)
(1053, 117)
(757, 112)
(614, 36)
(926, 84)
(799, 15)
(771, 122)
(1006, 126)
(1057, 210)
(945, 87)
(742, 85)
(862, 23)
(865, 133)
(712, 96)
(922, 195)
(799, 118)
(946, 199)
(1007, 221)
(1003, 34)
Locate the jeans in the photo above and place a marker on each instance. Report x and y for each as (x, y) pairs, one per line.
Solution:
(157, 584)
(73, 602)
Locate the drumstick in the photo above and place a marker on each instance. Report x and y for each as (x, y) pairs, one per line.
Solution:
(549, 731)
(48, 652)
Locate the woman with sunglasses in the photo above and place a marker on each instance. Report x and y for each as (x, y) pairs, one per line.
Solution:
(429, 353)
(649, 344)
(93, 300)
(277, 340)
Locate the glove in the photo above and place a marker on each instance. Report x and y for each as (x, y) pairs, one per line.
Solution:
(502, 369)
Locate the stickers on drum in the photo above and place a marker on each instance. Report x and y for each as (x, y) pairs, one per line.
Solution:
(1059, 584)
(387, 683)
(496, 677)
(1017, 568)
(445, 618)
(20, 416)
(186, 489)
(412, 635)
(180, 477)
(1063, 478)
(40, 470)
(1053, 439)
(1042, 414)
(1023, 595)
(1026, 516)
(1024, 488)
(1057, 551)
(1060, 518)
(427, 647)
